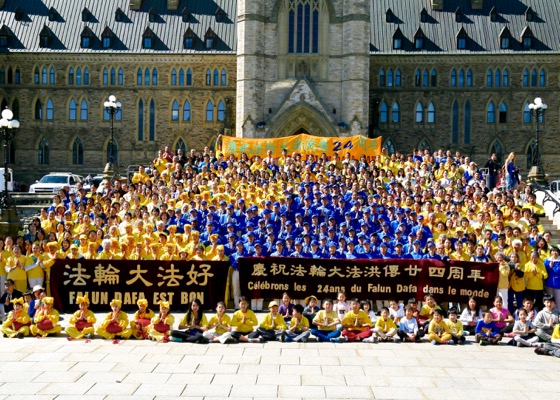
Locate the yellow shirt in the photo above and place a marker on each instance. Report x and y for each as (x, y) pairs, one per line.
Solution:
(503, 280)
(268, 320)
(516, 283)
(439, 328)
(323, 317)
(454, 328)
(299, 324)
(19, 272)
(226, 322)
(535, 274)
(250, 321)
(355, 321)
(90, 317)
(385, 325)
(203, 321)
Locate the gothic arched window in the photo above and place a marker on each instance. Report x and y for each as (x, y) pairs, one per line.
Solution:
(303, 21)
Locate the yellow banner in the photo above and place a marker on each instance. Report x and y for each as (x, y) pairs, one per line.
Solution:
(303, 144)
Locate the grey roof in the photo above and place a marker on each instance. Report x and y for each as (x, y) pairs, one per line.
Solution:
(441, 27)
(168, 26)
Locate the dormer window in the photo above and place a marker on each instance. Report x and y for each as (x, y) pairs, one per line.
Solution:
(148, 39)
(189, 39)
(419, 39)
(4, 37)
(462, 39)
(210, 39)
(459, 15)
(423, 15)
(119, 15)
(527, 38)
(45, 37)
(529, 14)
(87, 37)
(53, 14)
(107, 38)
(86, 15)
(494, 14)
(153, 15)
(505, 38)
(220, 15)
(186, 15)
(398, 39)
(389, 16)
(19, 14)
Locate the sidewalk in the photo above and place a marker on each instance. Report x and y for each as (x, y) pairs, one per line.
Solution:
(52, 368)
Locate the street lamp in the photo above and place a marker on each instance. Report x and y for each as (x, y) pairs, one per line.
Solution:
(536, 174)
(112, 106)
(8, 125)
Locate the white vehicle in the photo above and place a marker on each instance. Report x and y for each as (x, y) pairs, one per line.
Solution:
(10, 180)
(99, 181)
(53, 182)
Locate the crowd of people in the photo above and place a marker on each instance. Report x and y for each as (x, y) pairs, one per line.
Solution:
(208, 206)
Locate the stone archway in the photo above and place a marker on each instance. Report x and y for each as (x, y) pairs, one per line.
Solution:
(302, 118)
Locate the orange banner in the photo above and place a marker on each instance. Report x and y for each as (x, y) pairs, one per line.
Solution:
(303, 144)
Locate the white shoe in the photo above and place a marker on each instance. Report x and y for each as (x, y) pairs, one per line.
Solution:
(370, 339)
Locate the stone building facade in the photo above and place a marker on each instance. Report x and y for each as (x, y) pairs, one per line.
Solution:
(455, 74)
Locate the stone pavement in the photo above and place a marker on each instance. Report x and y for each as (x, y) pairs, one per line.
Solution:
(54, 368)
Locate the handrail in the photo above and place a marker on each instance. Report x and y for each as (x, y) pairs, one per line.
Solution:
(547, 196)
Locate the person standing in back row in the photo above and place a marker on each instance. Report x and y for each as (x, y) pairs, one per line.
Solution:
(494, 168)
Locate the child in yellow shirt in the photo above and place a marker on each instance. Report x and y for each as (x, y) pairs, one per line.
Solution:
(141, 320)
(219, 326)
(18, 321)
(455, 327)
(46, 319)
(272, 326)
(244, 320)
(385, 328)
(438, 331)
(326, 322)
(299, 327)
(80, 325)
(160, 327)
(115, 323)
(356, 323)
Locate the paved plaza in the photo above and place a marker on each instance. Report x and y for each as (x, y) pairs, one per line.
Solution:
(54, 368)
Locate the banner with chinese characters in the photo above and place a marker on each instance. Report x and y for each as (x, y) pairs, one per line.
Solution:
(368, 279)
(103, 280)
(304, 144)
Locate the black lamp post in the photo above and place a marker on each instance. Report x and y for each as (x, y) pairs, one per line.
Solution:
(536, 174)
(8, 125)
(112, 106)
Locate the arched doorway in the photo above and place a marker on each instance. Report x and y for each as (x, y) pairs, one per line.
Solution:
(302, 118)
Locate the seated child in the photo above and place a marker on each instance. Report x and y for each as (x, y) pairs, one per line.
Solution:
(426, 312)
(160, 328)
(356, 323)
(486, 331)
(192, 326)
(366, 306)
(408, 327)
(46, 319)
(470, 316)
(455, 327)
(243, 320)
(298, 330)
(219, 326)
(272, 327)
(311, 309)
(29, 302)
(326, 321)
(81, 323)
(438, 331)
(546, 319)
(524, 331)
(141, 320)
(396, 311)
(553, 348)
(501, 316)
(17, 322)
(286, 308)
(529, 307)
(115, 323)
(385, 328)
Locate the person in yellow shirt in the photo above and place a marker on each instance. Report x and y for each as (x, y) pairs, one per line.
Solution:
(219, 326)
(221, 254)
(385, 328)
(272, 326)
(535, 274)
(244, 321)
(35, 271)
(438, 331)
(115, 324)
(455, 327)
(46, 319)
(80, 325)
(504, 271)
(160, 327)
(356, 323)
(18, 321)
(299, 327)
(16, 268)
(427, 311)
(327, 323)
(141, 320)
(141, 176)
(192, 325)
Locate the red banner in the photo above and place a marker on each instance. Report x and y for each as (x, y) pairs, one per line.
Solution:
(178, 282)
(451, 281)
